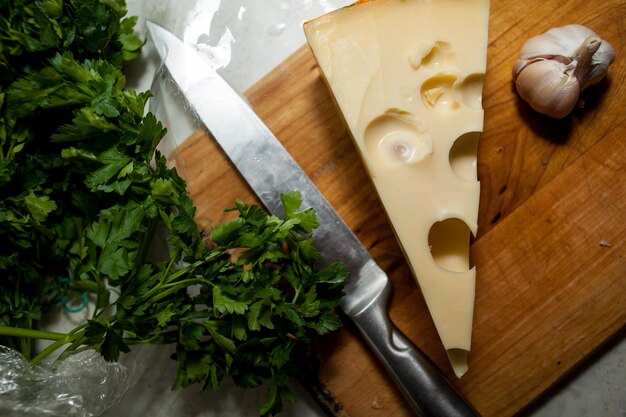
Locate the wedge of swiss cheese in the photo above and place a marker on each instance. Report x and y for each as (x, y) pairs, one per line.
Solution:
(407, 76)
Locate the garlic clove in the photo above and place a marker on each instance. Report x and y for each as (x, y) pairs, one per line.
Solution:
(579, 59)
(549, 87)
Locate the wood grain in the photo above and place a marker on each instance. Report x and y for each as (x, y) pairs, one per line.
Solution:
(551, 247)
(520, 150)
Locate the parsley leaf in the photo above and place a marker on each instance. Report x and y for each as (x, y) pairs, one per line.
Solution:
(85, 195)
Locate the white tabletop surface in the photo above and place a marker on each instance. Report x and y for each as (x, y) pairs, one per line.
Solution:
(247, 39)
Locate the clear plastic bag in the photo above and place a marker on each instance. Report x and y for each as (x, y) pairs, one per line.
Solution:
(81, 385)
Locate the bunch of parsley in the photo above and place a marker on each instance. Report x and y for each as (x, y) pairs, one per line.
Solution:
(83, 192)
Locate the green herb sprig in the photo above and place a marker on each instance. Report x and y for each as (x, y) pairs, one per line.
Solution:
(84, 194)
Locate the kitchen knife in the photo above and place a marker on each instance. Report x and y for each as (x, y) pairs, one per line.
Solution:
(271, 171)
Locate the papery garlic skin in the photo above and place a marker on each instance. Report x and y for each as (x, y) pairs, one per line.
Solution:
(553, 91)
(554, 67)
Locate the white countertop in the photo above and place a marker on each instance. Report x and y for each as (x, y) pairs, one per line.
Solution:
(248, 38)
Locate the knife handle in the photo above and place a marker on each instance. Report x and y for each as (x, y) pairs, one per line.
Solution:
(422, 383)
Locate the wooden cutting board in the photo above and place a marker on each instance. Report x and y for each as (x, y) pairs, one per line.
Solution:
(551, 248)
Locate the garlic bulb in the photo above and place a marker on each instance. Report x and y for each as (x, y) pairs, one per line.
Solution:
(554, 67)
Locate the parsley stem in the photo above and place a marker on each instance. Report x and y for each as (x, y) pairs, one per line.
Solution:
(184, 283)
(185, 270)
(72, 347)
(30, 333)
(75, 338)
(59, 338)
(166, 273)
(175, 287)
(78, 328)
(26, 343)
(296, 295)
(98, 292)
(171, 280)
(47, 351)
(163, 339)
(145, 246)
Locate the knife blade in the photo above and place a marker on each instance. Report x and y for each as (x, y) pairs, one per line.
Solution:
(271, 171)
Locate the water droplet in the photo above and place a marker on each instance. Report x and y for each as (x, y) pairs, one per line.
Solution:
(407, 94)
(242, 10)
(391, 141)
(403, 151)
(276, 29)
(217, 50)
(204, 39)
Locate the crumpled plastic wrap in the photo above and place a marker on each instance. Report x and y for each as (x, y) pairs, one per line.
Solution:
(81, 385)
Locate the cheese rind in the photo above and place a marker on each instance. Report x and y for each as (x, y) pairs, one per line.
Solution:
(407, 76)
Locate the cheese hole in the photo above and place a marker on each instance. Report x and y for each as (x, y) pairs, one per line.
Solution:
(432, 55)
(449, 244)
(437, 93)
(471, 91)
(463, 156)
(394, 139)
